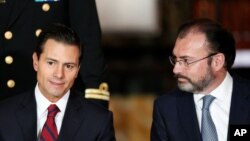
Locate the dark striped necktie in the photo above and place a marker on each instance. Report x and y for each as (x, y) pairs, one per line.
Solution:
(49, 131)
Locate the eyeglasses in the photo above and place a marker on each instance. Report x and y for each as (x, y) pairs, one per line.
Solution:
(187, 62)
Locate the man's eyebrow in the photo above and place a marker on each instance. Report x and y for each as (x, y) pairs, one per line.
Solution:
(64, 63)
(186, 57)
(51, 59)
(183, 57)
(70, 63)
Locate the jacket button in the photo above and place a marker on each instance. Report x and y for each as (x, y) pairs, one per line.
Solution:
(38, 32)
(8, 59)
(8, 35)
(11, 83)
(45, 7)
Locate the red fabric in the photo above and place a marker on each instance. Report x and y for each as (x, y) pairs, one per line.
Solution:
(49, 131)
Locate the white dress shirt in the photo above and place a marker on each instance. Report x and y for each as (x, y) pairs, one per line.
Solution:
(42, 111)
(219, 108)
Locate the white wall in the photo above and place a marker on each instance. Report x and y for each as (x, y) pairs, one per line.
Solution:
(129, 16)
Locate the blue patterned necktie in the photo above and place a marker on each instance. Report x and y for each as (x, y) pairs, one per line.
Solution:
(208, 129)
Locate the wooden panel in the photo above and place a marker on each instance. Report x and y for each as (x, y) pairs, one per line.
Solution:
(233, 14)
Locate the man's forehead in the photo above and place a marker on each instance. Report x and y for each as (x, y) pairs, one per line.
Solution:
(60, 51)
(192, 42)
(195, 38)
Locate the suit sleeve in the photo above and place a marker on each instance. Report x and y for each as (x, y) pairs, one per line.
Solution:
(158, 128)
(84, 19)
(108, 133)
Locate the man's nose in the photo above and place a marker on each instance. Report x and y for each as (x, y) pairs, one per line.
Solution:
(59, 71)
(178, 67)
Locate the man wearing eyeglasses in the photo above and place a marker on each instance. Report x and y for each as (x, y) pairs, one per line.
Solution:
(208, 99)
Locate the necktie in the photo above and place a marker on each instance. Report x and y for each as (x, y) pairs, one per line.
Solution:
(208, 129)
(49, 131)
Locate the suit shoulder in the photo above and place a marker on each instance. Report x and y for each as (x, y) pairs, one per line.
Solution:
(94, 112)
(241, 83)
(168, 98)
(9, 106)
(11, 102)
(169, 95)
(89, 106)
(241, 80)
(95, 108)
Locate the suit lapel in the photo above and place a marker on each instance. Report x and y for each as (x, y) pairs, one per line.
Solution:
(240, 103)
(240, 106)
(73, 118)
(18, 7)
(187, 116)
(26, 117)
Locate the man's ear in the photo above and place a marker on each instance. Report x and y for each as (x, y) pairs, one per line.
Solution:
(35, 61)
(218, 61)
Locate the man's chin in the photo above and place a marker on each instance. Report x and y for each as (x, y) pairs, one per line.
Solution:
(184, 87)
(56, 93)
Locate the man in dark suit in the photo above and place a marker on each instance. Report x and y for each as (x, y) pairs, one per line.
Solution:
(21, 23)
(203, 55)
(27, 116)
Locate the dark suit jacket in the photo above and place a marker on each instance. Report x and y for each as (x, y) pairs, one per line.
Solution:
(175, 119)
(23, 17)
(83, 120)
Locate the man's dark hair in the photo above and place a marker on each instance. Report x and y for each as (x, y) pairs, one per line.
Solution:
(59, 33)
(220, 40)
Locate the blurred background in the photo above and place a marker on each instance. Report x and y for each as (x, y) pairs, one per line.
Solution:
(138, 36)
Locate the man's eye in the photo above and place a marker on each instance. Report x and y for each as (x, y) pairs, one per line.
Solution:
(69, 67)
(50, 62)
(186, 61)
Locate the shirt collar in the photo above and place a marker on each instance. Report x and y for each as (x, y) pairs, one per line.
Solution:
(43, 103)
